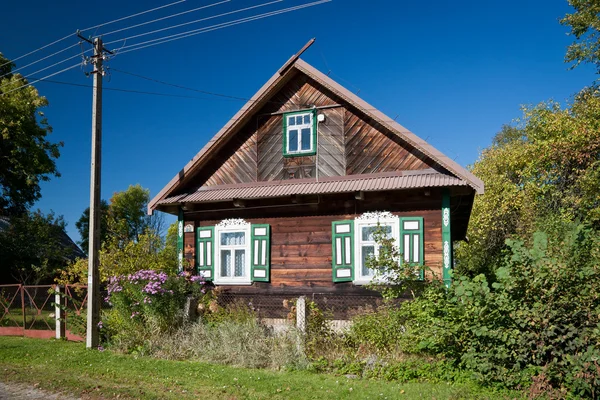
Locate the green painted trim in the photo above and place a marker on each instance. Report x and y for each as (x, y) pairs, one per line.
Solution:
(446, 239)
(202, 242)
(265, 264)
(180, 240)
(314, 134)
(334, 266)
(420, 233)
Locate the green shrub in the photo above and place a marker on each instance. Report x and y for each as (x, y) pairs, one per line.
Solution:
(146, 303)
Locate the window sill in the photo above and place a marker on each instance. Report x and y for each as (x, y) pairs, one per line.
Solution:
(232, 283)
(300, 154)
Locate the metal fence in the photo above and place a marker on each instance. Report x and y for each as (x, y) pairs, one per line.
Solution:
(37, 311)
(279, 310)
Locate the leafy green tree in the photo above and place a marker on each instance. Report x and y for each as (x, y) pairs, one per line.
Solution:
(585, 26)
(26, 156)
(124, 218)
(33, 247)
(83, 226)
(546, 170)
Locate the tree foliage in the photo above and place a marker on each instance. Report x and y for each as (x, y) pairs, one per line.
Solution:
(585, 26)
(27, 157)
(83, 226)
(33, 248)
(545, 170)
(123, 219)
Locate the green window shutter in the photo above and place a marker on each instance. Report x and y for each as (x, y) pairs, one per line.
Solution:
(411, 241)
(260, 252)
(205, 252)
(342, 258)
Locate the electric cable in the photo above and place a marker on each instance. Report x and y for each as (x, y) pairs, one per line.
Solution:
(183, 35)
(192, 22)
(91, 27)
(163, 18)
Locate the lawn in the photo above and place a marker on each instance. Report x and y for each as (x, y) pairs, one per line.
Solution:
(68, 367)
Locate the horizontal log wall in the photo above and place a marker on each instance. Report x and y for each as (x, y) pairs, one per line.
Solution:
(301, 251)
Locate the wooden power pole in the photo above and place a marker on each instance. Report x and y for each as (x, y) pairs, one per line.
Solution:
(93, 307)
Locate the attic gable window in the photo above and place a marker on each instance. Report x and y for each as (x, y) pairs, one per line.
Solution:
(299, 133)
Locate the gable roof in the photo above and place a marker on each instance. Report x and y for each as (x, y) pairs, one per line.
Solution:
(293, 66)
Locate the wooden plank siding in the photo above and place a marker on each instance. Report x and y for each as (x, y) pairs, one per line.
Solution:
(370, 149)
(347, 143)
(301, 248)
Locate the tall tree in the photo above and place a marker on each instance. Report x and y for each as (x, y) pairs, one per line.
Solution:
(124, 219)
(544, 172)
(26, 156)
(33, 247)
(585, 26)
(83, 226)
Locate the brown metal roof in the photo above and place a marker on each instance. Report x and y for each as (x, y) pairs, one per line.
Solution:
(293, 66)
(341, 184)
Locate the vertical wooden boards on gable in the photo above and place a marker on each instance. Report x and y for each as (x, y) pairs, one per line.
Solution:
(348, 143)
(331, 160)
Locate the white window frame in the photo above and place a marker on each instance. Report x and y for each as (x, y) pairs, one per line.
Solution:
(372, 219)
(232, 226)
(299, 128)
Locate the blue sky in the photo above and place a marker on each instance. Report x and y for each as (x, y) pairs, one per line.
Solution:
(451, 71)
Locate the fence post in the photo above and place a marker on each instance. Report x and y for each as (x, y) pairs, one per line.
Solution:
(23, 310)
(301, 314)
(59, 313)
(189, 309)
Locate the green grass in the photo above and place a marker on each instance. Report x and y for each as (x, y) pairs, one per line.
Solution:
(69, 367)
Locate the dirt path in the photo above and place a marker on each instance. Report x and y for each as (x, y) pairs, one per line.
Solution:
(17, 391)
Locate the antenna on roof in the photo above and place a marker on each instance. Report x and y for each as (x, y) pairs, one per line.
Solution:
(296, 56)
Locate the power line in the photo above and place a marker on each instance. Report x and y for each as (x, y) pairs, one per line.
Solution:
(87, 29)
(163, 18)
(194, 32)
(48, 67)
(40, 79)
(122, 90)
(183, 35)
(41, 59)
(190, 22)
(180, 86)
(132, 16)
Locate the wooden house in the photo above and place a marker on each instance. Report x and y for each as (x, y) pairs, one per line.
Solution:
(282, 200)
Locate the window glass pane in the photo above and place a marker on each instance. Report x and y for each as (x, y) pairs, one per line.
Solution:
(299, 120)
(293, 140)
(367, 252)
(233, 238)
(291, 121)
(369, 231)
(307, 119)
(407, 248)
(305, 145)
(225, 263)
(416, 248)
(240, 257)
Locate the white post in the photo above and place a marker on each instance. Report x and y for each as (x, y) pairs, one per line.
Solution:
(59, 314)
(301, 314)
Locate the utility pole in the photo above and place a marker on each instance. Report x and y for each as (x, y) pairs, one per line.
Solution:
(93, 306)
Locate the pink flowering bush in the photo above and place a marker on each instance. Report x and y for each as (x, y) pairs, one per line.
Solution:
(144, 303)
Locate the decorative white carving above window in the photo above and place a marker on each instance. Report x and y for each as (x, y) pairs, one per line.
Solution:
(233, 223)
(376, 215)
